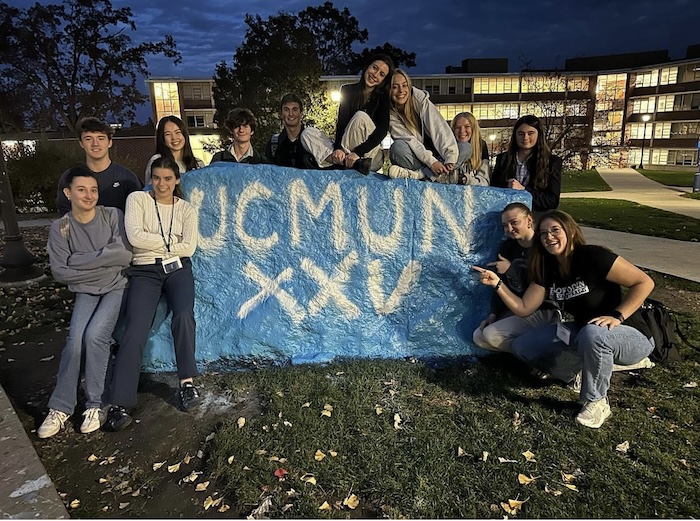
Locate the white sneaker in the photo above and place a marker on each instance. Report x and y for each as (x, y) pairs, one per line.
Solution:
(594, 414)
(399, 172)
(644, 363)
(54, 422)
(92, 420)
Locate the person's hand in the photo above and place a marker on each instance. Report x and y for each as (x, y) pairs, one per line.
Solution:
(515, 184)
(488, 277)
(450, 166)
(487, 321)
(350, 159)
(438, 168)
(605, 321)
(338, 157)
(502, 264)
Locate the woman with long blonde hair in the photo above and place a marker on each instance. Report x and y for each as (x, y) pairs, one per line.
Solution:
(476, 170)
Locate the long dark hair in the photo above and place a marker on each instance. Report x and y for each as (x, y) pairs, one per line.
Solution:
(170, 164)
(161, 148)
(540, 154)
(381, 89)
(539, 257)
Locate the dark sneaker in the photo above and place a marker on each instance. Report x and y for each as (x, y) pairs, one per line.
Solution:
(118, 418)
(363, 165)
(189, 396)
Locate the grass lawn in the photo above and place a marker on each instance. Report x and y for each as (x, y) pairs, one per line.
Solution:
(669, 178)
(692, 195)
(405, 439)
(582, 181)
(626, 216)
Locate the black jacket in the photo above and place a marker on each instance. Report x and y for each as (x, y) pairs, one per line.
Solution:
(281, 151)
(542, 199)
(377, 108)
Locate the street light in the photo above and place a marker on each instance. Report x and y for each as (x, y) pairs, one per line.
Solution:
(645, 119)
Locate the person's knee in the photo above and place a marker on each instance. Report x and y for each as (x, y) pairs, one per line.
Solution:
(399, 152)
(591, 337)
(479, 340)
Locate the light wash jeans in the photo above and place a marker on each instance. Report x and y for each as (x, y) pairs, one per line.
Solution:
(401, 155)
(499, 335)
(91, 326)
(593, 350)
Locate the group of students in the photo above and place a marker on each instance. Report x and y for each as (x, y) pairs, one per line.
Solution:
(144, 240)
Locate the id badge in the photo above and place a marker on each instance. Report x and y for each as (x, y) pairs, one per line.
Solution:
(563, 333)
(171, 264)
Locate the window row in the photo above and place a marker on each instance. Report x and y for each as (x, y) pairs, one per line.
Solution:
(664, 157)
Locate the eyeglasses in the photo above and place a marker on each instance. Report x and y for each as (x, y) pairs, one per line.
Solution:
(554, 232)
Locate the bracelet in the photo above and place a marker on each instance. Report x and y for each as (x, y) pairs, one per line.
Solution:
(616, 314)
(500, 281)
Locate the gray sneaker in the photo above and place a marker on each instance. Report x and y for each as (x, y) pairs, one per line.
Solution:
(92, 421)
(54, 422)
(594, 414)
(575, 384)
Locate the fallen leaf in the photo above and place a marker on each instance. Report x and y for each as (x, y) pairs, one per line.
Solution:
(262, 509)
(326, 413)
(241, 422)
(273, 458)
(332, 453)
(260, 452)
(571, 487)
(623, 447)
(517, 420)
(75, 503)
(102, 480)
(217, 502)
(504, 460)
(691, 385)
(280, 394)
(292, 493)
(208, 502)
(92, 457)
(136, 493)
(174, 468)
(340, 373)
(460, 452)
(287, 423)
(327, 407)
(186, 459)
(352, 501)
(652, 410)
(108, 461)
(378, 409)
(567, 478)
(325, 506)
(397, 421)
(200, 454)
(192, 477)
(201, 486)
(306, 404)
(246, 467)
(230, 460)
(281, 473)
(309, 478)
(224, 508)
(209, 437)
(319, 455)
(552, 491)
(484, 456)
(529, 456)
(105, 508)
(392, 392)
(512, 506)
(283, 460)
(122, 506)
(684, 463)
(286, 507)
(525, 480)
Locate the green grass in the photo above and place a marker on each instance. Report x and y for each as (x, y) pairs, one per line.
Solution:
(692, 195)
(626, 216)
(432, 466)
(669, 178)
(582, 181)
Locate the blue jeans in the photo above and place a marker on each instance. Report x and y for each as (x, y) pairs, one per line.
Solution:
(593, 350)
(91, 326)
(401, 154)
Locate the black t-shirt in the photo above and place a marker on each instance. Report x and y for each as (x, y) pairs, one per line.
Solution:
(586, 293)
(516, 276)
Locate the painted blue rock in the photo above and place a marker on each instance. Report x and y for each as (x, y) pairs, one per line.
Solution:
(304, 266)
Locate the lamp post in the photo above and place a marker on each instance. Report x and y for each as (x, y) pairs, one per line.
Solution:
(492, 138)
(645, 119)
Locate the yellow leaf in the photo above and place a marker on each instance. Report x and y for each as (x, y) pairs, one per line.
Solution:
(623, 447)
(192, 477)
(136, 493)
(260, 452)
(333, 453)
(460, 452)
(108, 461)
(280, 394)
(273, 458)
(378, 409)
(217, 502)
(309, 478)
(287, 423)
(525, 480)
(208, 502)
(174, 468)
(684, 463)
(340, 373)
(92, 457)
(328, 407)
(571, 487)
(230, 460)
(326, 413)
(224, 508)
(201, 486)
(529, 456)
(246, 467)
(283, 460)
(504, 460)
(397, 421)
(102, 480)
(325, 506)
(240, 422)
(552, 491)
(319, 455)
(567, 478)
(156, 466)
(352, 501)
(306, 404)
(512, 506)
(122, 506)
(392, 392)
(484, 456)
(186, 459)
(75, 503)
(105, 508)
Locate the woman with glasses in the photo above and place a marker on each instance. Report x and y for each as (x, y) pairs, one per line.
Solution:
(586, 281)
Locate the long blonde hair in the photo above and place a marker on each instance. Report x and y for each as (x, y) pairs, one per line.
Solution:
(408, 115)
(475, 159)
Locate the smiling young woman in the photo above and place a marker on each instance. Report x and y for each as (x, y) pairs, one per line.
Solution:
(586, 282)
(173, 142)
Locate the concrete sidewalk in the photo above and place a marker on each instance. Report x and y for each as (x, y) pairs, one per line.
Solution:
(629, 185)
